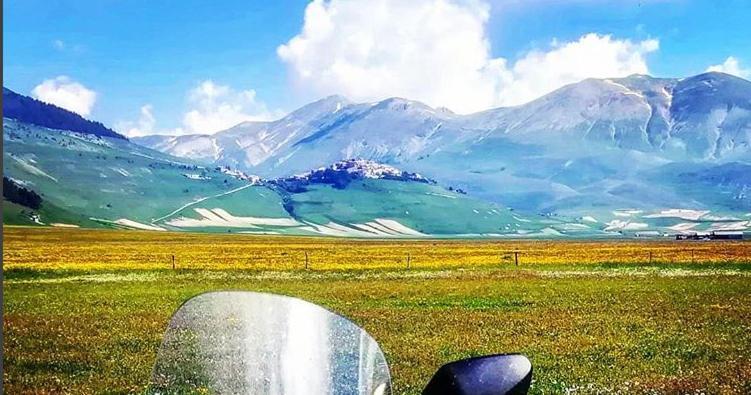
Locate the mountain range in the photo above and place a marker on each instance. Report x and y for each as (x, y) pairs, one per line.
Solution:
(705, 117)
(598, 157)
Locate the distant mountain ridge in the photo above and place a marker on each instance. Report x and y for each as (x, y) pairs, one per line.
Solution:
(337, 128)
(29, 110)
(705, 117)
(590, 147)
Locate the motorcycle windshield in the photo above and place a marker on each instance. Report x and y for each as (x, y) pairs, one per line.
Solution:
(255, 343)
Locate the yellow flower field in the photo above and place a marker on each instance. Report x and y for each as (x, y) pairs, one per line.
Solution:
(85, 310)
(73, 249)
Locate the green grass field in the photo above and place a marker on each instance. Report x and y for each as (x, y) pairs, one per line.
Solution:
(85, 310)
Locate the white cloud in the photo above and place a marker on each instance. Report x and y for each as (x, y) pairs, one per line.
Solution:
(66, 93)
(437, 51)
(218, 107)
(211, 108)
(58, 45)
(144, 126)
(592, 56)
(731, 66)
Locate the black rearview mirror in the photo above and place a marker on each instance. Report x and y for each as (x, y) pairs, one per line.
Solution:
(507, 374)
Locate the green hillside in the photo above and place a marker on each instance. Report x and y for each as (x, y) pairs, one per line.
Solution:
(427, 208)
(91, 181)
(104, 178)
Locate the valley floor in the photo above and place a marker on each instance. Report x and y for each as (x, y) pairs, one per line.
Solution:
(85, 310)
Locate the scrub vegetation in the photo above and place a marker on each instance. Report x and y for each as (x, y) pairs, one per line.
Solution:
(85, 310)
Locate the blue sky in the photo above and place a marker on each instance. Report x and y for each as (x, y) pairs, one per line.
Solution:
(151, 64)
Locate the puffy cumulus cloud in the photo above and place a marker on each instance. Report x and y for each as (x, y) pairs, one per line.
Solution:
(211, 108)
(592, 56)
(430, 50)
(218, 107)
(66, 93)
(142, 127)
(731, 66)
(437, 51)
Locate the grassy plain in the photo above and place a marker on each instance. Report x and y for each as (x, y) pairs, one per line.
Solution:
(85, 310)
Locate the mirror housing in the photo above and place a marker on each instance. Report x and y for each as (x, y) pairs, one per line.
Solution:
(503, 374)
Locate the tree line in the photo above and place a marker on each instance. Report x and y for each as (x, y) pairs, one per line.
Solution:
(29, 110)
(15, 193)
